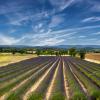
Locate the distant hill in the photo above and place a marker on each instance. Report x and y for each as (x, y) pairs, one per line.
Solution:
(58, 46)
(71, 46)
(78, 46)
(14, 46)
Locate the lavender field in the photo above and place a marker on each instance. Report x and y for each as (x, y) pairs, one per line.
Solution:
(50, 78)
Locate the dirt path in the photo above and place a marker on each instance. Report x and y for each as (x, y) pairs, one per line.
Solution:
(91, 60)
(65, 83)
(50, 88)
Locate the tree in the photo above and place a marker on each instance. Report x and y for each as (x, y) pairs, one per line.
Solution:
(38, 52)
(22, 51)
(82, 54)
(72, 52)
(57, 54)
(13, 51)
(1, 49)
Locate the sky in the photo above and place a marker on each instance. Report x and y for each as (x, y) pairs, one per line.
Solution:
(49, 22)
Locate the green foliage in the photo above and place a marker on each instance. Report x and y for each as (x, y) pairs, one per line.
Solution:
(78, 96)
(72, 52)
(22, 51)
(96, 95)
(58, 96)
(13, 96)
(35, 96)
(51, 52)
(15, 50)
(82, 54)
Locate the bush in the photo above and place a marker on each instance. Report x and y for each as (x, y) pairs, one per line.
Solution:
(72, 52)
(82, 54)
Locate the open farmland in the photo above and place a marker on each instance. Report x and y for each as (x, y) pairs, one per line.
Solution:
(93, 57)
(50, 78)
(7, 58)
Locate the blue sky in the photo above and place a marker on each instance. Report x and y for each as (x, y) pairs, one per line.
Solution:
(49, 22)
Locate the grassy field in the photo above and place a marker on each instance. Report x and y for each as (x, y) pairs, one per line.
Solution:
(7, 58)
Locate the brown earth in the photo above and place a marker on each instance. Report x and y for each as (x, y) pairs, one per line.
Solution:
(93, 56)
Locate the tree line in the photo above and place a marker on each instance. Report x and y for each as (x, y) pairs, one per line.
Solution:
(72, 52)
(46, 51)
(81, 53)
(15, 50)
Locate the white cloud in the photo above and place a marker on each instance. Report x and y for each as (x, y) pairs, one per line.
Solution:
(92, 39)
(48, 38)
(56, 20)
(12, 31)
(95, 6)
(17, 18)
(51, 41)
(72, 37)
(76, 29)
(86, 27)
(63, 35)
(61, 4)
(66, 4)
(91, 19)
(10, 7)
(40, 40)
(7, 40)
(40, 25)
(82, 36)
(97, 33)
(20, 18)
(42, 30)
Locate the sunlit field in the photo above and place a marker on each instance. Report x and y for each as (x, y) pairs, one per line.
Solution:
(93, 57)
(50, 78)
(7, 58)
(49, 49)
